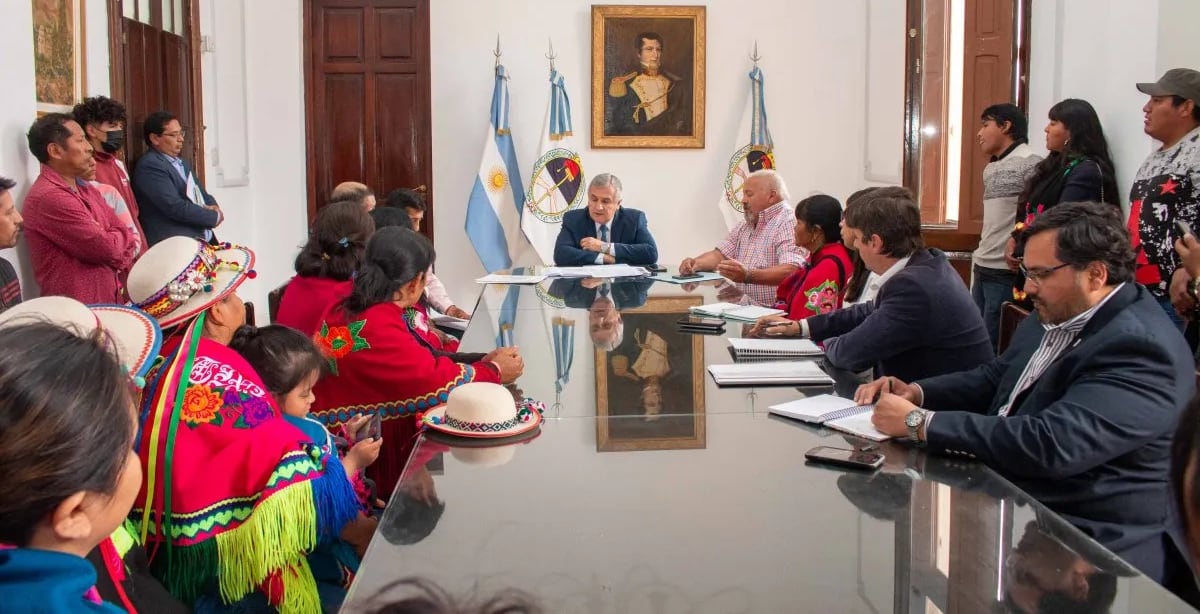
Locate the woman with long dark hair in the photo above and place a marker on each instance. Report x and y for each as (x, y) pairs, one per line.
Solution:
(325, 265)
(1079, 168)
(379, 365)
(818, 287)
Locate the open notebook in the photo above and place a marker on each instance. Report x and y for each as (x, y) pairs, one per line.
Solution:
(770, 373)
(730, 311)
(774, 348)
(833, 412)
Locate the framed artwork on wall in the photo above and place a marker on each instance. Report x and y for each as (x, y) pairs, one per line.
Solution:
(648, 76)
(650, 387)
(58, 54)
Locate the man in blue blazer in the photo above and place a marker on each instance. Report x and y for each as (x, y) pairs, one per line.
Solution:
(1080, 410)
(172, 201)
(604, 232)
(923, 321)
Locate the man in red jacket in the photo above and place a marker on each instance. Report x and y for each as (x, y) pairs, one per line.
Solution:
(103, 121)
(78, 246)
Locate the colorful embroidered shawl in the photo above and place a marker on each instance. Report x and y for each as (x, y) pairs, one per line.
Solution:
(227, 480)
(378, 365)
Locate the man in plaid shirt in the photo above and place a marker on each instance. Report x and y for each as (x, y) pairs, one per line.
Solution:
(761, 250)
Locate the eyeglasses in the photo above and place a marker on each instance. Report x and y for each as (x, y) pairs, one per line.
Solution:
(1037, 276)
(175, 135)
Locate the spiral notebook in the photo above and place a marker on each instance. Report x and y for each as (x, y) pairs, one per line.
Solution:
(774, 348)
(802, 373)
(730, 311)
(833, 412)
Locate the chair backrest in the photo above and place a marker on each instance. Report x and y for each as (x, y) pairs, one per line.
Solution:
(1011, 316)
(250, 319)
(273, 299)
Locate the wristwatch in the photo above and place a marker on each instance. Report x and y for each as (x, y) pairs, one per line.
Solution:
(913, 421)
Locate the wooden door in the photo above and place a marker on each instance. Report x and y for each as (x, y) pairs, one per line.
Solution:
(155, 56)
(367, 97)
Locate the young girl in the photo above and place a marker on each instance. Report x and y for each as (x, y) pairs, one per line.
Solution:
(67, 425)
(290, 365)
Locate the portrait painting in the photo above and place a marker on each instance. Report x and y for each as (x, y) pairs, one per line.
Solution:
(648, 76)
(58, 54)
(650, 386)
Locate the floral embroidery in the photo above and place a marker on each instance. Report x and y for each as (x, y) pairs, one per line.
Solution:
(244, 410)
(823, 298)
(337, 342)
(200, 406)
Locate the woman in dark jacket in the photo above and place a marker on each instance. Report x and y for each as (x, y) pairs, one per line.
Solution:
(1078, 168)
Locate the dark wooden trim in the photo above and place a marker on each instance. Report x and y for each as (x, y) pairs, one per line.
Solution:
(913, 37)
(310, 147)
(116, 51)
(1021, 51)
(426, 153)
(192, 35)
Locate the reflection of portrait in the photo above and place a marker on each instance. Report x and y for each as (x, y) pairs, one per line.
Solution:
(648, 76)
(650, 386)
(58, 54)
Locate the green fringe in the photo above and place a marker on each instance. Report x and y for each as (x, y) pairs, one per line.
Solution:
(299, 590)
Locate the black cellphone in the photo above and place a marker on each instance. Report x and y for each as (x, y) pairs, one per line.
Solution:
(700, 321)
(656, 268)
(371, 430)
(688, 276)
(853, 459)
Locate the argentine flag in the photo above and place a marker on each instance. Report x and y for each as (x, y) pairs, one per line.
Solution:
(494, 209)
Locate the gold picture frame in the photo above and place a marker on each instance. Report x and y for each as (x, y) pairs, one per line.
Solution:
(650, 387)
(59, 54)
(642, 98)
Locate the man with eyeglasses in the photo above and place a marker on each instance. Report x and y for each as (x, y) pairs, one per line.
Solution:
(169, 194)
(1079, 412)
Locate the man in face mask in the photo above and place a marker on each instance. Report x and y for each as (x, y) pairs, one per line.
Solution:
(103, 120)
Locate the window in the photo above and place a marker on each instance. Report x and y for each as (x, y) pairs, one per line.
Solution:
(960, 56)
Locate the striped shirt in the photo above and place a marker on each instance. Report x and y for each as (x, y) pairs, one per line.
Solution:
(1057, 340)
(771, 241)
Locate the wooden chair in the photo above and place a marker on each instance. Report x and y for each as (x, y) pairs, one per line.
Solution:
(273, 299)
(250, 313)
(1010, 317)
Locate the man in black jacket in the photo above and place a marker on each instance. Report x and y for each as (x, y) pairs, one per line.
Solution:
(1080, 410)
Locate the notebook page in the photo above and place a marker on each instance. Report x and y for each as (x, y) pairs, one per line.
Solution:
(858, 424)
(817, 408)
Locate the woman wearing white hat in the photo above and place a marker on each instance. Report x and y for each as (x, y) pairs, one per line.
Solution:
(226, 478)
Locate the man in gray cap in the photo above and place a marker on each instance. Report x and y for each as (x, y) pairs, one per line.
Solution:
(1166, 189)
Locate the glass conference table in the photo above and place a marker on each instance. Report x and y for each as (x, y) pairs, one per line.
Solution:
(649, 489)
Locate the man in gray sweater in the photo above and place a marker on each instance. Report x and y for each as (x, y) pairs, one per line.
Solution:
(1003, 137)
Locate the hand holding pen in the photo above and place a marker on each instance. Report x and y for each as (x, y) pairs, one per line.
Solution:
(775, 326)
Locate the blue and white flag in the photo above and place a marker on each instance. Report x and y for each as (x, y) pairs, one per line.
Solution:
(556, 184)
(494, 209)
(757, 155)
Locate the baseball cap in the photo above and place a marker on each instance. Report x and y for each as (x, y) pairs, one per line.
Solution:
(1183, 82)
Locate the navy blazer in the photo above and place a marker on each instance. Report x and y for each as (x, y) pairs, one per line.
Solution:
(164, 207)
(629, 234)
(1091, 438)
(626, 293)
(922, 323)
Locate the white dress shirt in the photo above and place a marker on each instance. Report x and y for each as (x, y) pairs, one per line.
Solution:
(611, 250)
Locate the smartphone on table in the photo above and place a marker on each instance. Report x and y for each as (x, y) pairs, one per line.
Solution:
(842, 457)
(688, 276)
(371, 429)
(656, 268)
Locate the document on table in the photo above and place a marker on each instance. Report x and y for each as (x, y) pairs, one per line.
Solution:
(730, 311)
(442, 319)
(502, 278)
(602, 271)
(833, 412)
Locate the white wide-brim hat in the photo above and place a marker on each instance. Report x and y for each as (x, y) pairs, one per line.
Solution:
(179, 277)
(485, 411)
(135, 336)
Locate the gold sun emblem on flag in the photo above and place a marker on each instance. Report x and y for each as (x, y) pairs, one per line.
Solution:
(497, 180)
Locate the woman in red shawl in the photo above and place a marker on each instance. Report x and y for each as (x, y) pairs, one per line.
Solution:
(379, 365)
(819, 287)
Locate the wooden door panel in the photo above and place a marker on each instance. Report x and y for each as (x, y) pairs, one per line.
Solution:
(367, 96)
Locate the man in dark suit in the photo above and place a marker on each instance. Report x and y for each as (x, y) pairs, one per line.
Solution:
(604, 232)
(1080, 410)
(603, 299)
(172, 202)
(922, 323)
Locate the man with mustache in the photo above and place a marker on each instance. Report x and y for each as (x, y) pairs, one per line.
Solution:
(648, 101)
(1080, 411)
(10, 231)
(78, 246)
(104, 121)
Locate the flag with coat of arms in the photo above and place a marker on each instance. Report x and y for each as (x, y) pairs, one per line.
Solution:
(757, 155)
(556, 182)
(494, 208)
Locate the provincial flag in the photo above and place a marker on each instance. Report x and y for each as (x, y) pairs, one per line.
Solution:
(757, 155)
(556, 182)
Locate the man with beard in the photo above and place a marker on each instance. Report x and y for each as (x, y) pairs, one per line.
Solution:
(10, 230)
(1079, 412)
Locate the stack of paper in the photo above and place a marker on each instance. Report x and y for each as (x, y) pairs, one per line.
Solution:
(730, 311)
(774, 348)
(442, 319)
(770, 374)
(603, 271)
(502, 278)
(834, 412)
